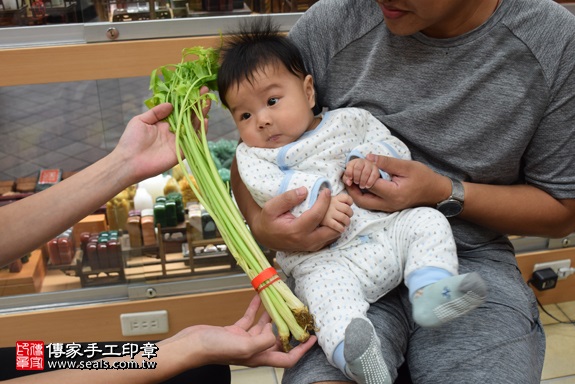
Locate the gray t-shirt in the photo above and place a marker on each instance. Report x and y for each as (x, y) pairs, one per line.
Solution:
(494, 106)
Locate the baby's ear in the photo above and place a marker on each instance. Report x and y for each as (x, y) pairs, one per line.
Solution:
(309, 90)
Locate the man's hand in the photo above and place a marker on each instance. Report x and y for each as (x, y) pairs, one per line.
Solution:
(275, 226)
(412, 184)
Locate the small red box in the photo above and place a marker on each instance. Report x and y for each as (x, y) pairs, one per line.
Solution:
(47, 178)
(30, 355)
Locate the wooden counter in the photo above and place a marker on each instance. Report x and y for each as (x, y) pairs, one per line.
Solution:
(100, 323)
(96, 61)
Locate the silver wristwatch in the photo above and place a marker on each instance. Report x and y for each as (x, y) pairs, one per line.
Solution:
(453, 205)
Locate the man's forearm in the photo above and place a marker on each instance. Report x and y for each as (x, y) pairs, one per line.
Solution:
(518, 210)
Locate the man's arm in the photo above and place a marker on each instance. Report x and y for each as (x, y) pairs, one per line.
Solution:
(519, 210)
(515, 209)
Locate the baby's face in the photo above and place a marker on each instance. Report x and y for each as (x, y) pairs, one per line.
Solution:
(274, 109)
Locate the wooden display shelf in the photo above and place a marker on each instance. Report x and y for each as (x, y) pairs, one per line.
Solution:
(101, 276)
(71, 269)
(208, 259)
(28, 280)
(92, 224)
(192, 259)
(89, 277)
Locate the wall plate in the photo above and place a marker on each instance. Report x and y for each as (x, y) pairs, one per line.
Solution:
(144, 323)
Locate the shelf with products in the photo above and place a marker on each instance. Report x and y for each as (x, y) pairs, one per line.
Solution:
(178, 252)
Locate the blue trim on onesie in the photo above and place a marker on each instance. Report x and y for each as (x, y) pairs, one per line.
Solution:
(319, 185)
(391, 150)
(364, 239)
(280, 158)
(423, 277)
(285, 182)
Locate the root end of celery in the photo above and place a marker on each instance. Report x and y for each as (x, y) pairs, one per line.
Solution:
(304, 338)
(305, 319)
(285, 344)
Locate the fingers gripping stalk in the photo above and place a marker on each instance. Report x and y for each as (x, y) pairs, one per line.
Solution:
(180, 84)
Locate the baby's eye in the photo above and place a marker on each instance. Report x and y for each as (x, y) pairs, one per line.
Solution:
(245, 116)
(272, 101)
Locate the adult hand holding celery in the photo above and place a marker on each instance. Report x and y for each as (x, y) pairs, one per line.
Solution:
(180, 84)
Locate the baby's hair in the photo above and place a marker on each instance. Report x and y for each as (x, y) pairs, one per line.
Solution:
(256, 44)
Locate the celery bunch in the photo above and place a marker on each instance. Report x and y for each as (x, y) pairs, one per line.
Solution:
(180, 85)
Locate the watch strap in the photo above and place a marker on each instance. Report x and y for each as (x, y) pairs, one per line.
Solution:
(457, 191)
(453, 205)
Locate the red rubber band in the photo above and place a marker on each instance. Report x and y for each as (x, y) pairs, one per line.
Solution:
(263, 276)
(268, 284)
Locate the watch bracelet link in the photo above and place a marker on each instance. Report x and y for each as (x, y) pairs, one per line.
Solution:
(453, 205)
(457, 191)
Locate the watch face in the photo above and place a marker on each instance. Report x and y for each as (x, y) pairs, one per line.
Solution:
(450, 208)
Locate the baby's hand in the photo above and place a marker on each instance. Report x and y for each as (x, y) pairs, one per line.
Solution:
(362, 172)
(339, 213)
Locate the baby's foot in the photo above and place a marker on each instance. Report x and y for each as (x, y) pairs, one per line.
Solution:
(448, 299)
(362, 352)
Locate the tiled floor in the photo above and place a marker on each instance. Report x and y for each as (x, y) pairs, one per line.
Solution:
(559, 366)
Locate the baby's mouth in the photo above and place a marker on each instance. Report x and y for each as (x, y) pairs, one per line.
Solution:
(274, 138)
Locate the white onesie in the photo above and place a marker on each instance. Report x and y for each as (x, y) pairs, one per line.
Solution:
(376, 251)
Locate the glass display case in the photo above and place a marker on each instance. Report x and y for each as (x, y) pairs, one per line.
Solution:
(72, 89)
(20, 13)
(67, 133)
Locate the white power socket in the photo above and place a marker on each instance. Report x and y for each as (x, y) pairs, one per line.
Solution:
(554, 265)
(144, 323)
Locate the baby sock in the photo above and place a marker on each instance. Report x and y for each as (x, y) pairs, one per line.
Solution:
(447, 299)
(362, 352)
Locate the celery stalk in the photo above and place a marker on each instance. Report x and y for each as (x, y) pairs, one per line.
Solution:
(180, 85)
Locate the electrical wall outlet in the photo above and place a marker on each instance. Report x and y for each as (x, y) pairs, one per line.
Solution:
(554, 265)
(144, 323)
